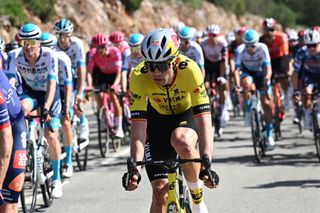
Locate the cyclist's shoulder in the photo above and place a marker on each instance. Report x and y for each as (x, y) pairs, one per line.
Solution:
(140, 71)
(46, 52)
(62, 56)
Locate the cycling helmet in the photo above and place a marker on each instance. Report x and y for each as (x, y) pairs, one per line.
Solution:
(213, 29)
(160, 45)
(48, 40)
(239, 31)
(63, 26)
(2, 45)
(311, 36)
(116, 37)
(135, 39)
(29, 31)
(99, 39)
(11, 46)
(269, 23)
(185, 33)
(250, 36)
(292, 35)
(178, 26)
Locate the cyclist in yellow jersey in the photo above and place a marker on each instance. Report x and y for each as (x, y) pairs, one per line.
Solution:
(170, 113)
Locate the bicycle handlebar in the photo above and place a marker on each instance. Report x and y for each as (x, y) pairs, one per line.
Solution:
(29, 117)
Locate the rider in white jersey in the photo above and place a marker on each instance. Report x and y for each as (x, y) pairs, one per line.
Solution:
(73, 47)
(253, 60)
(135, 58)
(38, 67)
(215, 49)
(65, 85)
(191, 48)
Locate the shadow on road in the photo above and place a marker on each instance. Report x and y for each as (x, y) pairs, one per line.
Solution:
(289, 183)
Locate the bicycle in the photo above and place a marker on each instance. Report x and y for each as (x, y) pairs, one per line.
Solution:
(106, 125)
(258, 130)
(298, 111)
(79, 144)
(279, 110)
(180, 202)
(38, 168)
(316, 119)
(215, 108)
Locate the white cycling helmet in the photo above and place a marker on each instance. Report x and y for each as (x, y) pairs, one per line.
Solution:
(311, 36)
(213, 29)
(292, 35)
(178, 26)
(2, 45)
(29, 31)
(63, 26)
(160, 45)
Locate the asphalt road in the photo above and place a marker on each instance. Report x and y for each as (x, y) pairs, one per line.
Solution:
(287, 180)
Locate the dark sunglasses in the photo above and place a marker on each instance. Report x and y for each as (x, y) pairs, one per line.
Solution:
(311, 45)
(184, 41)
(101, 46)
(251, 45)
(161, 66)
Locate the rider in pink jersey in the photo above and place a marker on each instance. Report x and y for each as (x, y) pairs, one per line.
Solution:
(105, 68)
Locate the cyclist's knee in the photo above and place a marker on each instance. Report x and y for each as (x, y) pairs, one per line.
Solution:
(183, 143)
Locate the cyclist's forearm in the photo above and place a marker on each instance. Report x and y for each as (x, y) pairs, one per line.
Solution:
(237, 77)
(295, 80)
(6, 142)
(124, 81)
(51, 90)
(205, 134)
(81, 79)
(267, 72)
(138, 137)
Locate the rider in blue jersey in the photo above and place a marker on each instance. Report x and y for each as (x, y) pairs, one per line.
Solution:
(307, 65)
(12, 146)
(38, 67)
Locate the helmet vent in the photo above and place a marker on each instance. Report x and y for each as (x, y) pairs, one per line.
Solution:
(149, 53)
(158, 54)
(163, 42)
(167, 53)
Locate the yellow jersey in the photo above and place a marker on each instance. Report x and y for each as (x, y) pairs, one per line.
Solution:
(187, 90)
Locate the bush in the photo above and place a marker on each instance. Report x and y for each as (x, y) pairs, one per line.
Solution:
(43, 9)
(13, 9)
(131, 5)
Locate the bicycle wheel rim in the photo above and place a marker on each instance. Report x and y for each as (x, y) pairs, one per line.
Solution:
(103, 133)
(30, 187)
(255, 135)
(316, 132)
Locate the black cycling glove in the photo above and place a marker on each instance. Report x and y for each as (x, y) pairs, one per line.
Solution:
(126, 178)
(213, 176)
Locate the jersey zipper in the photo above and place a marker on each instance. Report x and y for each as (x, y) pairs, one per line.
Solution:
(169, 100)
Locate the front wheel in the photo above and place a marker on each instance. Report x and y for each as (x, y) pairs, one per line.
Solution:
(47, 186)
(103, 132)
(82, 154)
(30, 187)
(316, 131)
(256, 131)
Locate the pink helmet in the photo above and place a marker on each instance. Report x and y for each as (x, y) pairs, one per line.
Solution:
(99, 39)
(116, 37)
(240, 30)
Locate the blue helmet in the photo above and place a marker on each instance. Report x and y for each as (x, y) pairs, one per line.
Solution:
(185, 33)
(29, 31)
(48, 40)
(250, 36)
(63, 26)
(135, 39)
